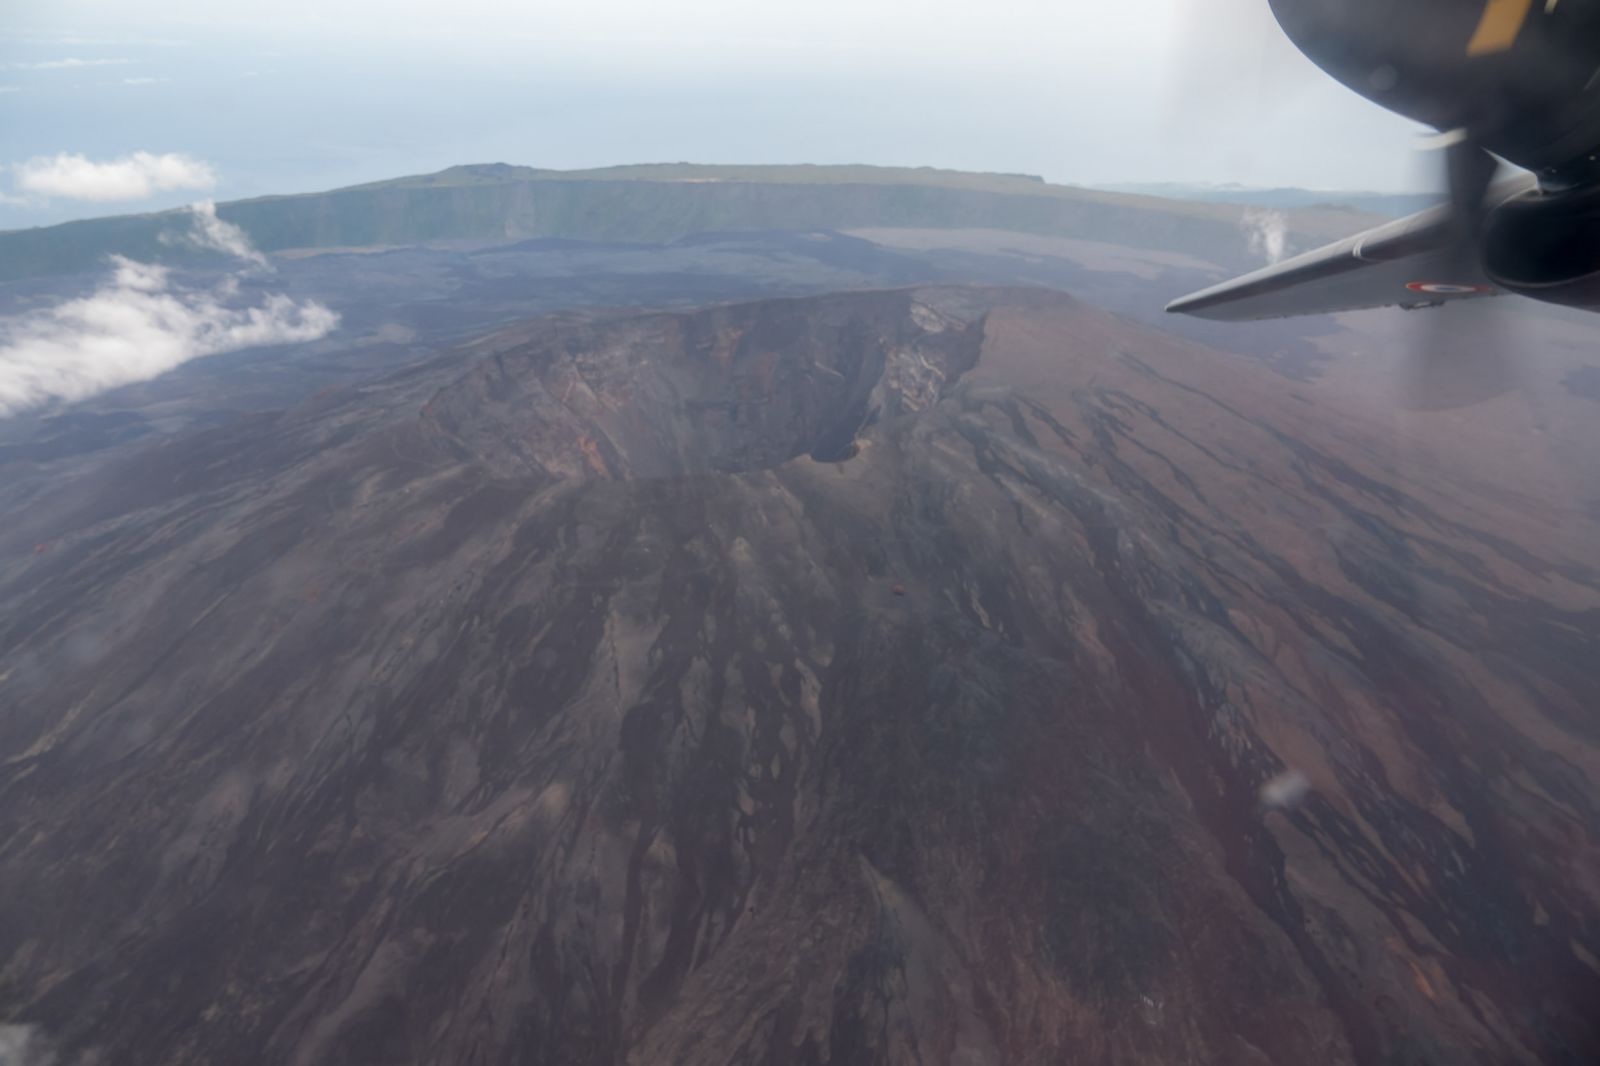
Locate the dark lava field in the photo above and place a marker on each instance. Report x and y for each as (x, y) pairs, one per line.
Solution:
(940, 674)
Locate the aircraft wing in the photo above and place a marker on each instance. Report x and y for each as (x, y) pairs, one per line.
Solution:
(1410, 262)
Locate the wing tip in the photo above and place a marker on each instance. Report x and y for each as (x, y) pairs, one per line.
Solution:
(1194, 304)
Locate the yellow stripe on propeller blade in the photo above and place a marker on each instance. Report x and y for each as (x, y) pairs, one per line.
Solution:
(1501, 22)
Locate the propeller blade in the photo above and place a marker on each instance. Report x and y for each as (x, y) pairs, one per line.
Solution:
(1469, 171)
(1458, 355)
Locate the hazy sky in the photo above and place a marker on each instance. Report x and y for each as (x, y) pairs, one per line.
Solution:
(238, 98)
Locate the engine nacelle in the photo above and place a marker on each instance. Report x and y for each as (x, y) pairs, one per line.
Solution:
(1547, 246)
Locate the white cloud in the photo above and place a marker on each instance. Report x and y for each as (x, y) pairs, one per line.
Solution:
(209, 231)
(67, 64)
(1268, 232)
(133, 177)
(144, 81)
(1285, 791)
(10, 88)
(140, 324)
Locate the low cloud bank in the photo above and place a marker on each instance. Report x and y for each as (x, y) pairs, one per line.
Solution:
(133, 177)
(140, 324)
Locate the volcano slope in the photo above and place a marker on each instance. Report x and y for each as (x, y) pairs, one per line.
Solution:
(879, 677)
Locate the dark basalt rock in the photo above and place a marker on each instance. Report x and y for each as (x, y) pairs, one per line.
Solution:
(881, 677)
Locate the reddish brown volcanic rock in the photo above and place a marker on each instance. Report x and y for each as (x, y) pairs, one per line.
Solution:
(883, 677)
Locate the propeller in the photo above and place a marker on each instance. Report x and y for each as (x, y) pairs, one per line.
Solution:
(1233, 50)
(1469, 173)
(1456, 356)
(1459, 357)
